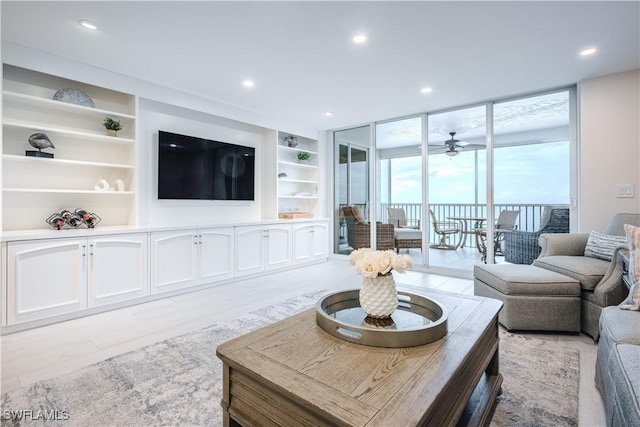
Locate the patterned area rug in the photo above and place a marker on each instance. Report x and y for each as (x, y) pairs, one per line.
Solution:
(541, 383)
(177, 382)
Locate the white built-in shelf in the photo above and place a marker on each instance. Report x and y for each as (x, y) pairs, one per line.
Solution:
(36, 126)
(298, 197)
(298, 164)
(36, 101)
(34, 187)
(298, 191)
(296, 150)
(65, 191)
(16, 158)
(301, 181)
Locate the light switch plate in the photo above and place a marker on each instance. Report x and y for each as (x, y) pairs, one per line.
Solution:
(624, 191)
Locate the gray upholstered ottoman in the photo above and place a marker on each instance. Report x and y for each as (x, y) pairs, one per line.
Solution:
(534, 298)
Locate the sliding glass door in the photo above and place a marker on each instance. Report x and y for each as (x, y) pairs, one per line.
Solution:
(351, 181)
(457, 186)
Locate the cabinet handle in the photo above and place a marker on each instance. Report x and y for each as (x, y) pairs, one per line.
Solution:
(91, 249)
(200, 239)
(84, 250)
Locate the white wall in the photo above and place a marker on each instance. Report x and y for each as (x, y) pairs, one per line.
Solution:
(609, 150)
(167, 109)
(154, 116)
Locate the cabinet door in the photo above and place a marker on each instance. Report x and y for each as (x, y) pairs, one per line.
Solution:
(302, 243)
(278, 246)
(250, 250)
(216, 254)
(117, 268)
(173, 260)
(45, 278)
(320, 241)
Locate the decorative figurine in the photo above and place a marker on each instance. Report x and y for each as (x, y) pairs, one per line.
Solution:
(39, 140)
(292, 141)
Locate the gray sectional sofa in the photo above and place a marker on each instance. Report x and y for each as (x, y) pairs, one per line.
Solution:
(618, 364)
(601, 281)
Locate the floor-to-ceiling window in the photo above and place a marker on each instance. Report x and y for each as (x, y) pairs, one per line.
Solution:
(399, 154)
(458, 194)
(457, 186)
(532, 156)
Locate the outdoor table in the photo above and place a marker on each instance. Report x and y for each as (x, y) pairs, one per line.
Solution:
(469, 225)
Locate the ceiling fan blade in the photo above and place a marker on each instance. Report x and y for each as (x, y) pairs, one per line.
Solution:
(437, 149)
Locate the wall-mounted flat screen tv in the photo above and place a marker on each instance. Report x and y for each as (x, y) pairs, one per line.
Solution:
(197, 168)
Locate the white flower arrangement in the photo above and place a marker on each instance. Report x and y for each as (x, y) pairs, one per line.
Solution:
(379, 263)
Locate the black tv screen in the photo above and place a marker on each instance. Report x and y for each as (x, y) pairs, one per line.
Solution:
(196, 168)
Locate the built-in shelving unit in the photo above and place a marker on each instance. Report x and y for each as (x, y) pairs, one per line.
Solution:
(35, 187)
(298, 187)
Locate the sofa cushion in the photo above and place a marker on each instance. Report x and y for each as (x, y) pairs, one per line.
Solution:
(620, 326)
(602, 246)
(520, 279)
(624, 377)
(357, 213)
(588, 271)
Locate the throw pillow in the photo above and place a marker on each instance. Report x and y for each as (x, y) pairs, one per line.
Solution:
(633, 235)
(357, 213)
(603, 245)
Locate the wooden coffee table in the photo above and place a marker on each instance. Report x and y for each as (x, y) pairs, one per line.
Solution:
(292, 373)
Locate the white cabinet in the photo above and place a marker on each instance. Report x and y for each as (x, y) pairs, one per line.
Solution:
(118, 268)
(262, 248)
(215, 257)
(310, 242)
(83, 153)
(297, 180)
(58, 276)
(185, 258)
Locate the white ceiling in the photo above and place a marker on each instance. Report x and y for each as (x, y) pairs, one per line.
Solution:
(303, 61)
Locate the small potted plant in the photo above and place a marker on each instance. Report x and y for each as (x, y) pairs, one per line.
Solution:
(112, 126)
(303, 157)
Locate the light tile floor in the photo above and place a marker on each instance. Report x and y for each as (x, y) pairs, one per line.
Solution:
(53, 350)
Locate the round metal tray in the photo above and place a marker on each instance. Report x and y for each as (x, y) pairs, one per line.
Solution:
(417, 321)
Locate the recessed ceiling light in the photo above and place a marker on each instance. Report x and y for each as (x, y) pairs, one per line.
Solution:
(426, 90)
(88, 25)
(328, 114)
(247, 83)
(589, 51)
(359, 38)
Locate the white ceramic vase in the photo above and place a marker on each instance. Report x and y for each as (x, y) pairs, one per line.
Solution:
(378, 296)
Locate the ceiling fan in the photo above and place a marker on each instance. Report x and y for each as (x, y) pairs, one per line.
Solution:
(454, 146)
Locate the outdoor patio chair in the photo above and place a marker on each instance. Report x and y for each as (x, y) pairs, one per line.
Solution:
(398, 218)
(522, 247)
(506, 223)
(359, 230)
(444, 230)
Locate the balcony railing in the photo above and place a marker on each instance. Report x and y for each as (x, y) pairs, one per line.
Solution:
(528, 220)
